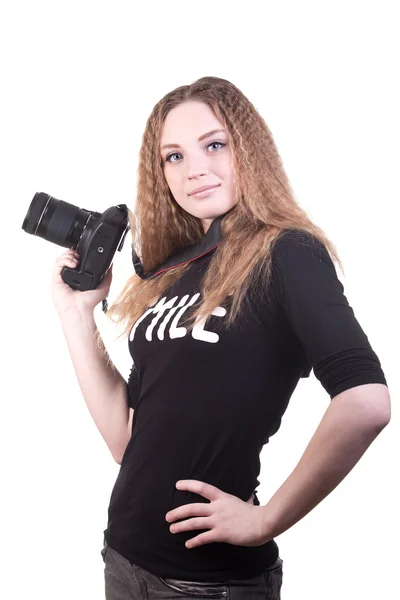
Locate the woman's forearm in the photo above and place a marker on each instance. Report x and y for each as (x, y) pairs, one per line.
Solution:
(103, 388)
(352, 421)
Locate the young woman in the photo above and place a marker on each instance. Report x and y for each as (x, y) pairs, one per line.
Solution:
(234, 298)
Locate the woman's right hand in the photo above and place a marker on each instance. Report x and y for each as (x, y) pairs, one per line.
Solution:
(65, 298)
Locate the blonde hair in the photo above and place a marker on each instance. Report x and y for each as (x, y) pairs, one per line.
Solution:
(266, 206)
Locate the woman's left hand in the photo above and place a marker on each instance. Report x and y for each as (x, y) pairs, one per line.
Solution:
(228, 518)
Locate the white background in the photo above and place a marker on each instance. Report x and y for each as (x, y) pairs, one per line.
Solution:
(79, 80)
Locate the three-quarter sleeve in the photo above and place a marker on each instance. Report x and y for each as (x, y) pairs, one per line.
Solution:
(313, 301)
(133, 387)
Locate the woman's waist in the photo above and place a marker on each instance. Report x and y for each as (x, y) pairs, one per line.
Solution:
(146, 497)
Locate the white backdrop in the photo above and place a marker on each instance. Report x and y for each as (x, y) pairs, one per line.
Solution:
(79, 80)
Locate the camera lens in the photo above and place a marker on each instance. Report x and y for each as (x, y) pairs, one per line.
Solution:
(55, 220)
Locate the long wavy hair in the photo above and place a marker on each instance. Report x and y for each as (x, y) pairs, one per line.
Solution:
(266, 206)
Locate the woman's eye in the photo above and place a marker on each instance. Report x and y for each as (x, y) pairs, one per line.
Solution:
(169, 156)
(177, 153)
(220, 143)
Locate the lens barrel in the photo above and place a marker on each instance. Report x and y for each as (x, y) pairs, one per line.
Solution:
(56, 221)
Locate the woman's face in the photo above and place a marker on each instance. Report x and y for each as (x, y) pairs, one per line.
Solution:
(193, 159)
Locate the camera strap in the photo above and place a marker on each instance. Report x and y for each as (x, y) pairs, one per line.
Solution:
(184, 255)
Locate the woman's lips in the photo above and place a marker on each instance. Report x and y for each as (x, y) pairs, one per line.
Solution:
(205, 193)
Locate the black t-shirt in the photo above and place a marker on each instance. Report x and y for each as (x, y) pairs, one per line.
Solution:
(205, 403)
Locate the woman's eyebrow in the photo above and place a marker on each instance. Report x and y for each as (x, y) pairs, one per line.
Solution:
(202, 137)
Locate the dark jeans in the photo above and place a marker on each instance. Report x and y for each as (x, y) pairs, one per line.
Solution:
(124, 581)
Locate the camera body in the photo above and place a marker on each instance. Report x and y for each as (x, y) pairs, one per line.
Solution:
(94, 236)
(103, 235)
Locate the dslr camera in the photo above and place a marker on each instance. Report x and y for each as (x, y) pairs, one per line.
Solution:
(94, 236)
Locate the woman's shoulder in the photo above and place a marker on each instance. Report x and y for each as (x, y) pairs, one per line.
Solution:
(296, 240)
